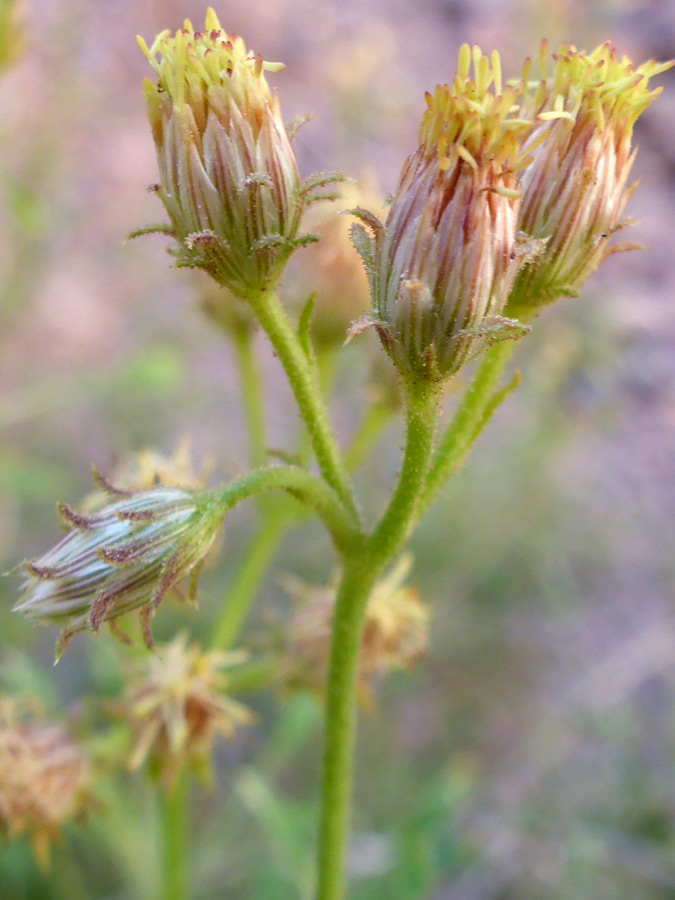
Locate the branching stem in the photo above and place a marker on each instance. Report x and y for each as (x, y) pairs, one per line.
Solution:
(301, 376)
(361, 571)
(302, 485)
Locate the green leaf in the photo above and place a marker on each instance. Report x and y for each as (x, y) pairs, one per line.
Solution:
(320, 179)
(364, 245)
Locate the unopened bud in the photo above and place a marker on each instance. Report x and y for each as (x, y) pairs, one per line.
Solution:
(442, 265)
(576, 188)
(125, 556)
(229, 179)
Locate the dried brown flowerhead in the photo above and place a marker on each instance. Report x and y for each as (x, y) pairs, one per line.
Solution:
(395, 630)
(177, 704)
(44, 778)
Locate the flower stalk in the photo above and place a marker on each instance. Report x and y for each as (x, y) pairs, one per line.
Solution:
(360, 574)
(300, 374)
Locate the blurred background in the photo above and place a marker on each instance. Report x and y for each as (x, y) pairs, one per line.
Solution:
(531, 755)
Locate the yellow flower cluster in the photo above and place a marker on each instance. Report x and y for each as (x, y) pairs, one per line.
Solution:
(475, 119)
(508, 203)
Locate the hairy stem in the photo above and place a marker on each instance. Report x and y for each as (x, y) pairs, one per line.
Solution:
(301, 376)
(362, 569)
(301, 485)
(352, 598)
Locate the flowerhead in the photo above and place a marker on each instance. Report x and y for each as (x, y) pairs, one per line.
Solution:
(177, 704)
(576, 188)
(442, 265)
(125, 556)
(44, 778)
(395, 630)
(149, 468)
(228, 176)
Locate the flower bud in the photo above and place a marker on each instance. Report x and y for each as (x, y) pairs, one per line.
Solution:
(229, 179)
(125, 556)
(176, 705)
(576, 188)
(442, 265)
(44, 778)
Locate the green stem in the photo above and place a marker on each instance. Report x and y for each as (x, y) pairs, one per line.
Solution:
(352, 598)
(300, 484)
(174, 807)
(248, 579)
(362, 569)
(252, 393)
(422, 403)
(479, 402)
(287, 345)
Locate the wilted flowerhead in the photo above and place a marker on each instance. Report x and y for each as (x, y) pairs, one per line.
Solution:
(395, 630)
(125, 556)
(575, 191)
(442, 265)
(229, 179)
(177, 704)
(44, 778)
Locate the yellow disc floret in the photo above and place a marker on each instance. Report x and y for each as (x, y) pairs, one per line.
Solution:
(613, 88)
(189, 64)
(474, 118)
(228, 176)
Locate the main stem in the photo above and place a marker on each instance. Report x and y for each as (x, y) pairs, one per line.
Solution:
(362, 569)
(286, 343)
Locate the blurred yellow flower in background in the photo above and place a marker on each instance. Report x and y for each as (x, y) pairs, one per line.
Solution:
(177, 704)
